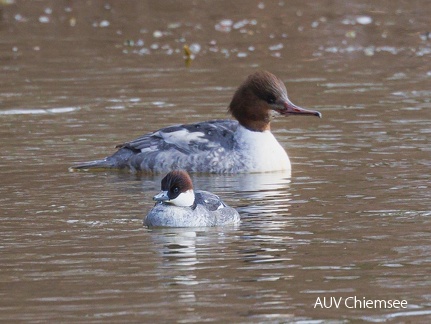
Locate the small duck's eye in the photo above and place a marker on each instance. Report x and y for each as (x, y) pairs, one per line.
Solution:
(175, 190)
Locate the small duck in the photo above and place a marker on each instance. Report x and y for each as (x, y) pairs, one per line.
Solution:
(178, 205)
(244, 145)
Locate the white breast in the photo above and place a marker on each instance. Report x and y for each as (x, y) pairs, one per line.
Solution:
(261, 150)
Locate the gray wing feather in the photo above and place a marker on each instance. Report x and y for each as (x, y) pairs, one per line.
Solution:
(187, 138)
(211, 201)
(224, 214)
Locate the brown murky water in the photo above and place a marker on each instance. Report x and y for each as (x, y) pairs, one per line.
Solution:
(353, 219)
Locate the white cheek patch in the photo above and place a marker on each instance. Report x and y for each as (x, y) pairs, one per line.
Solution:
(184, 199)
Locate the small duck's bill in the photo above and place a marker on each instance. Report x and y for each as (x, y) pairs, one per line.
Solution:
(289, 108)
(161, 196)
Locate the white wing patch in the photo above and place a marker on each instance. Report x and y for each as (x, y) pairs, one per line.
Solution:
(182, 138)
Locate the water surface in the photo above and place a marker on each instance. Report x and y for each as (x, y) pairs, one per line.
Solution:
(352, 219)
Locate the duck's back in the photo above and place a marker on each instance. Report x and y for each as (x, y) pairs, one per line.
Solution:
(199, 147)
(222, 213)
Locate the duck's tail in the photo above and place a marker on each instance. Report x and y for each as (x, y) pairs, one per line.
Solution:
(119, 160)
(94, 165)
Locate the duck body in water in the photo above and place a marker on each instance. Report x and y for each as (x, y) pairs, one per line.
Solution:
(243, 145)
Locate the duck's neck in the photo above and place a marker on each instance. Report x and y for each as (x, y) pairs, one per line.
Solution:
(257, 126)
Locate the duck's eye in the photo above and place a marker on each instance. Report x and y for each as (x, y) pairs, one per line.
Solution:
(270, 99)
(175, 190)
